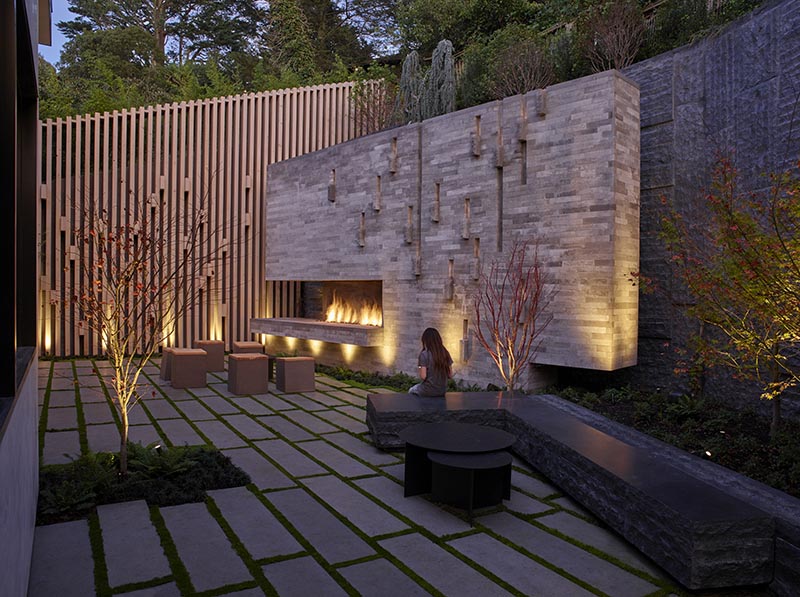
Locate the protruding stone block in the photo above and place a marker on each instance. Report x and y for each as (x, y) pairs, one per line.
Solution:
(188, 368)
(248, 373)
(216, 353)
(244, 346)
(166, 364)
(294, 374)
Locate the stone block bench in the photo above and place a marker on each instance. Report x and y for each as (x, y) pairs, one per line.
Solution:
(701, 535)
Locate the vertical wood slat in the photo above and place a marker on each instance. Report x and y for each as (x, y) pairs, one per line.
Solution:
(210, 154)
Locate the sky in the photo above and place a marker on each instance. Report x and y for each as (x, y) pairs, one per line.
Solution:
(60, 13)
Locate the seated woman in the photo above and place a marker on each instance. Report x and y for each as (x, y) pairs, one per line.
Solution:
(435, 365)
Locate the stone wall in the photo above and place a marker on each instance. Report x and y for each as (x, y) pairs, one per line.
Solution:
(411, 205)
(737, 92)
(19, 482)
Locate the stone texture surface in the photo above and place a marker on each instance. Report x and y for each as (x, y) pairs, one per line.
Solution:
(127, 529)
(302, 576)
(464, 211)
(379, 577)
(62, 561)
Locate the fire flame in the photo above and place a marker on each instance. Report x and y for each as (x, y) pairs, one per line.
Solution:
(366, 313)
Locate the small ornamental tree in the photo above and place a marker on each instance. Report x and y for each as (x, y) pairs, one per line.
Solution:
(510, 311)
(612, 34)
(741, 264)
(140, 277)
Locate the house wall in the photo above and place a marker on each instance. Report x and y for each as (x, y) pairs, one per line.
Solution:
(558, 166)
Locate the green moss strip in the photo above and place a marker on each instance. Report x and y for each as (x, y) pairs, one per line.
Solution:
(101, 586)
(179, 572)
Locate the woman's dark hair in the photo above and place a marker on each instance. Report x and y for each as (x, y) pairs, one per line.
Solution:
(432, 342)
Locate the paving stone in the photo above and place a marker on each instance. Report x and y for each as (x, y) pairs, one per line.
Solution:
(329, 536)
(144, 434)
(429, 560)
(605, 540)
(220, 388)
(531, 484)
(520, 571)
(380, 577)
(41, 396)
(220, 434)
(62, 382)
(263, 473)
(517, 461)
(397, 471)
(361, 511)
(195, 410)
(342, 420)
(252, 406)
(310, 422)
(131, 544)
(103, 438)
(324, 398)
(301, 577)
(59, 443)
(175, 393)
(202, 392)
(358, 391)
(348, 397)
(523, 504)
(286, 428)
(161, 409)
(354, 411)
(597, 572)
(180, 433)
(97, 413)
(62, 418)
(254, 592)
(166, 590)
(570, 504)
(261, 533)
(137, 416)
(89, 380)
(62, 366)
(61, 563)
(219, 405)
(62, 398)
(273, 402)
(418, 509)
(335, 459)
(203, 547)
(249, 427)
(335, 383)
(290, 458)
(363, 450)
(303, 402)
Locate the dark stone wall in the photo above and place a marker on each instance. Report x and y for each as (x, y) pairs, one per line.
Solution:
(735, 92)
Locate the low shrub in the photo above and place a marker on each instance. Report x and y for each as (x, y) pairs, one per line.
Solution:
(161, 476)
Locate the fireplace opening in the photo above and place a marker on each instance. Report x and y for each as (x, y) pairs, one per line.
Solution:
(353, 301)
(341, 312)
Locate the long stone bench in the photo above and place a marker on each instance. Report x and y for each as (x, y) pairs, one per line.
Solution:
(698, 533)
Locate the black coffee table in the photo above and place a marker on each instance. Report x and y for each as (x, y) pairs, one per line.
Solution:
(450, 437)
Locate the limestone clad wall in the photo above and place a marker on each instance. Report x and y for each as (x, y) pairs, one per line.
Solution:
(415, 205)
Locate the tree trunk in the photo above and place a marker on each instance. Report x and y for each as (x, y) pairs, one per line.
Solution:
(775, 423)
(123, 442)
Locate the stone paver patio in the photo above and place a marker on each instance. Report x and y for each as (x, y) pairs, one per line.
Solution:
(324, 514)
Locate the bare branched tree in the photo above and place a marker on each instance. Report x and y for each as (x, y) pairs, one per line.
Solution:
(613, 34)
(522, 68)
(142, 274)
(511, 311)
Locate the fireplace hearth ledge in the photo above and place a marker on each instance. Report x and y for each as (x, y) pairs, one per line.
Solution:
(311, 329)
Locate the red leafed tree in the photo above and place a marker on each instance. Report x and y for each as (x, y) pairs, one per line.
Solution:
(510, 311)
(141, 274)
(741, 264)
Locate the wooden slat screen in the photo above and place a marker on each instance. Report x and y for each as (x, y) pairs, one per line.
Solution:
(210, 154)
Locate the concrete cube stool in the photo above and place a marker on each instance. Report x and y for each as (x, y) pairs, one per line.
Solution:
(247, 373)
(245, 346)
(166, 364)
(216, 353)
(188, 368)
(294, 374)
